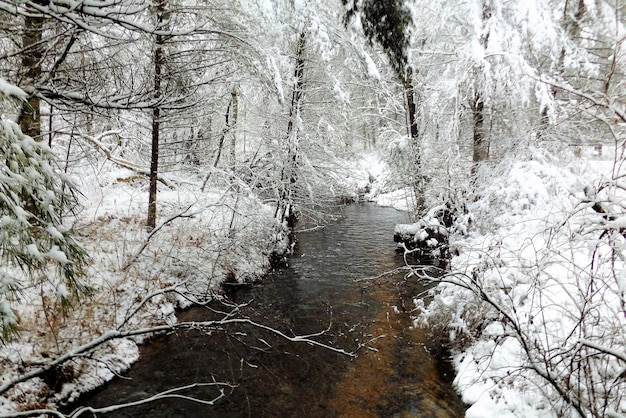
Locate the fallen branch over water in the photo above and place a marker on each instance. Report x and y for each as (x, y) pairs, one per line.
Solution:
(168, 394)
(84, 349)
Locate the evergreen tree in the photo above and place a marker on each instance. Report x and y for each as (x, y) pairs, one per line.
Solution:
(35, 247)
(386, 23)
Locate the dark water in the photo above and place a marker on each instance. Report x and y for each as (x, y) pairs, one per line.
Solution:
(402, 372)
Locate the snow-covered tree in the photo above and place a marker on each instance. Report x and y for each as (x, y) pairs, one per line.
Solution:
(535, 300)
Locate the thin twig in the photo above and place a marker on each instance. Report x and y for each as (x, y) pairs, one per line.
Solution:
(153, 233)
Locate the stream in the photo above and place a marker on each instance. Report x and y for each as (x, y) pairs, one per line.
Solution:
(399, 371)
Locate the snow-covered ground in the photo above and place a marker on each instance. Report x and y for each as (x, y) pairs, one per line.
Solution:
(535, 301)
(371, 175)
(140, 279)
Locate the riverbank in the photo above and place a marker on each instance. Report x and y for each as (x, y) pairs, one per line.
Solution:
(139, 280)
(534, 301)
(534, 297)
(142, 280)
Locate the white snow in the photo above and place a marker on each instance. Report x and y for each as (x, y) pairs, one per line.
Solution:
(540, 277)
(33, 250)
(55, 254)
(192, 253)
(536, 248)
(54, 232)
(7, 89)
(372, 70)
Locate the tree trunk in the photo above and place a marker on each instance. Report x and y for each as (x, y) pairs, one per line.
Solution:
(233, 137)
(32, 54)
(289, 178)
(571, 25)
(409, 91)
(296, 96)
(413, 117)
(156, 119)
(220, 144)
(480, 144)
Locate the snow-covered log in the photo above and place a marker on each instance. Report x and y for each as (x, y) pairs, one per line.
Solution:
(429, 235)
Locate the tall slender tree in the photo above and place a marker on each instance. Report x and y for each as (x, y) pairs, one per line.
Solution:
(161, 26)
(285, 209)
(32, 57)
(480, 142)
(388, 24)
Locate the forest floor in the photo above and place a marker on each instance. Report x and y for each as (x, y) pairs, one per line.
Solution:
(203, 239)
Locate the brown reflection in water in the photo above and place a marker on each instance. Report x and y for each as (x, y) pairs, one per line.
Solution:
(403, 373)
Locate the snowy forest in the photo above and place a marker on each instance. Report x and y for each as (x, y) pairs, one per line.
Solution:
(152, 150)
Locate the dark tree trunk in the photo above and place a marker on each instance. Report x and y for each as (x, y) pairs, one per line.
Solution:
(32, 54)
(480, 144)
(289, 177)
(233, 126)
(220, 144)
(411, 105)
(296, 96)
(416, 146)
(156, 119)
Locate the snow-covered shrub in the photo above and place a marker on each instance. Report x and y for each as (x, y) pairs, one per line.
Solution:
(535, 300)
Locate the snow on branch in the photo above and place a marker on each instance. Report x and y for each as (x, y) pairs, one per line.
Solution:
(182, 214)
(606, 350)
(8, 89)
(604, 102)
(173, 393)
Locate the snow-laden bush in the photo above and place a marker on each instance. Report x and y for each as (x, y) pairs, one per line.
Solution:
(139, 280)
(535, 300)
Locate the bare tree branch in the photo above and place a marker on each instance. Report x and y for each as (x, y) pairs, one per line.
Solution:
(152, 233)
(117, 334)
(167, 394)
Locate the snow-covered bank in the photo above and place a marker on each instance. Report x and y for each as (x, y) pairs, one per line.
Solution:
(371, 176)
(535, 301)
(138, 279)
